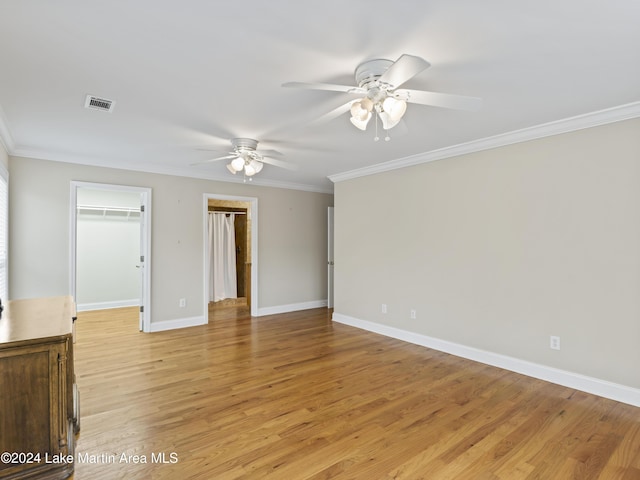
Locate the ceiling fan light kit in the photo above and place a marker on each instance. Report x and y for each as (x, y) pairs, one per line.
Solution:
(390, 110)
(248, 160)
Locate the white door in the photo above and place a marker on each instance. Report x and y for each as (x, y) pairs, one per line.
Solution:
(143, 258)
(330, 257)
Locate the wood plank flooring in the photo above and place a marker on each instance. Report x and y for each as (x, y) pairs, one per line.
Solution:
(295, 397)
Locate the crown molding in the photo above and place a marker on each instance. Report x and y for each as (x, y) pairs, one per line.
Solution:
(6, 139)
(571, 124)
(160, 169)
(579, 122)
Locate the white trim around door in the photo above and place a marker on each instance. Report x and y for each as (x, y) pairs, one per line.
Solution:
(145, 242)
(254, 247)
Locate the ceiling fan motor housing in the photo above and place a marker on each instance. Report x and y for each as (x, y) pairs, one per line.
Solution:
(244, 144)
(371, 70)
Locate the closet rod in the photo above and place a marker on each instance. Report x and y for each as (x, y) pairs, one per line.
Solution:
(227, 213)
(107, 208)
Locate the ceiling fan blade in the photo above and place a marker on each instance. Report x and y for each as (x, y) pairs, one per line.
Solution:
(270, 153)
(293, 145)
(326, 86)
(406, 67)
(226, 157)
(211, 149)
(279, 163)
(335, 113)
(444, 100)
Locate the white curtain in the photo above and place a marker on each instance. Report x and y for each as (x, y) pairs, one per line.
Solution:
(222, 257)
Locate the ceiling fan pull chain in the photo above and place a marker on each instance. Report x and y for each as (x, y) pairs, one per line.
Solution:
(376, 138)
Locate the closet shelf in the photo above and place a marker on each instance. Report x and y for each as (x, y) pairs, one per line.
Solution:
(105, 210)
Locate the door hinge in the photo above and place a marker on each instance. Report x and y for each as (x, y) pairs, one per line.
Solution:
(142, 208)
(141, 308)
(141, 258)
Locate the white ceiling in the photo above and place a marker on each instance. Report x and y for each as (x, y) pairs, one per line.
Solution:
(189, 75)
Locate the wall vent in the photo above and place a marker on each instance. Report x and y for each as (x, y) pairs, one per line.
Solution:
(98, 103)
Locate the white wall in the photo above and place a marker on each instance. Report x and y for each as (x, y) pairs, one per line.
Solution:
(108, 250)
(39, 254)
(500, 249)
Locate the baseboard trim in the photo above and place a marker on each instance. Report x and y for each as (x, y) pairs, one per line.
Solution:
(177, 323)
(293, 307)
(86, 307)
(201, 320)
(603, 388)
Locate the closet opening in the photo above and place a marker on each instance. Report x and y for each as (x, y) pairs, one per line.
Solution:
(230, 256)
(110, 243)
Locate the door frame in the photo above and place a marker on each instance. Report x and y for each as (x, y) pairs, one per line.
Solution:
(145, 242)
(254, 247)
(330, 252)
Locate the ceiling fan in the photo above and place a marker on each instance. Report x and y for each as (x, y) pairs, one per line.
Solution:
(246, 158)
(377, 86)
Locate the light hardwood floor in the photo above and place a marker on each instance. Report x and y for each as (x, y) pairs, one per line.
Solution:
(295, 396)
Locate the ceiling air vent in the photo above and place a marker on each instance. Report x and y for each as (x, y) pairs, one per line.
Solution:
(98, 103)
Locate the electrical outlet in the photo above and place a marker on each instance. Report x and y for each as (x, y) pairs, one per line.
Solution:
(413, 314)
(182, 303)
(554, 342)
(384, 308)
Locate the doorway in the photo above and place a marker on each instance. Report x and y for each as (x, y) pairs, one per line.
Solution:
(330, 262)
(230, 280)
(110, 244)
(241, 212)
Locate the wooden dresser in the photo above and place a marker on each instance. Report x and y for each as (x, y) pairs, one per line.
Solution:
(38, 397)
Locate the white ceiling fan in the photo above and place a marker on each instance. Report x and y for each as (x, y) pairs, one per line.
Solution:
(377, 86)
(245, 157)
